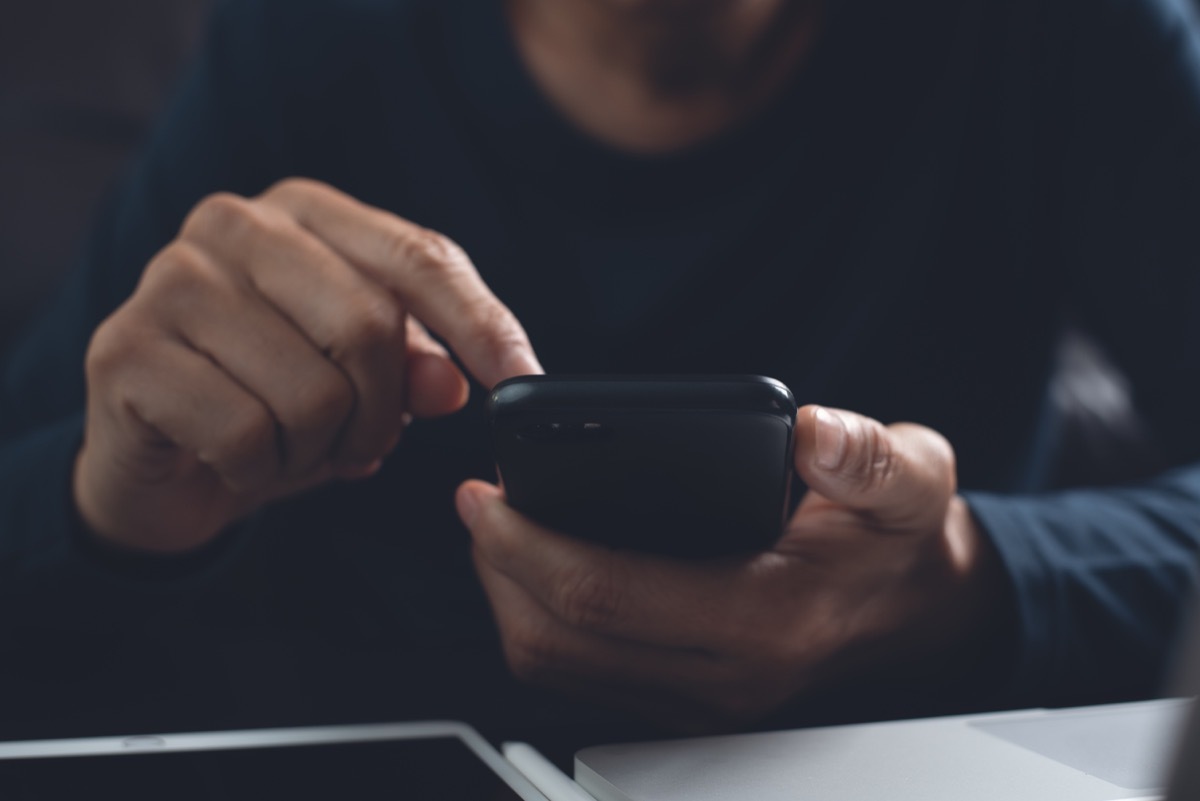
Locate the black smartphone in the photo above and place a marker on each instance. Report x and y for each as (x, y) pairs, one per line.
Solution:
(677, 465)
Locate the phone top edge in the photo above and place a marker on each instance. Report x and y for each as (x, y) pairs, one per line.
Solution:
(738, 392)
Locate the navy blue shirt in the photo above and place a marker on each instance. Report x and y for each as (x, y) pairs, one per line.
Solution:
(903, 232)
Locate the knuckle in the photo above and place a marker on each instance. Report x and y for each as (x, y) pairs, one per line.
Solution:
(496, 332)
(939, 452)
(111, 346)
(322, 406)
(378, 320)
(437, 250)
(293, 187)
(427, 253)
(222, 214)
(298, 196)
(931, 459)
(373, 321)
(123, 342)
(249, 438)
(183, 284)
(875, 461)
(884, 460)
(179, 268)
(588, 598)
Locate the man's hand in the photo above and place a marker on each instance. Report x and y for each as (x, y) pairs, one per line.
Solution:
(881, 567)
(278, 343)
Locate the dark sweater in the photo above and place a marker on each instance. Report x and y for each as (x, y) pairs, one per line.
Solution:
(902, 233)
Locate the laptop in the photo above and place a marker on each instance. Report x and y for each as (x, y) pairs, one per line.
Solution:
(1110, 753)
(1118, 752)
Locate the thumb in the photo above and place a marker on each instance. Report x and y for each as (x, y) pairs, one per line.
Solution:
(435, 385)
(902, 474)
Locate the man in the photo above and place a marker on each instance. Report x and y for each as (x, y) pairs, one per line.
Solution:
(355, 209)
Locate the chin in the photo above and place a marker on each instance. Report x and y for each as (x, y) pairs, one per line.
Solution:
(670, 6)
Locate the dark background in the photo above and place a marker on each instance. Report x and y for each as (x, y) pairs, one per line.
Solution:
(80, 80)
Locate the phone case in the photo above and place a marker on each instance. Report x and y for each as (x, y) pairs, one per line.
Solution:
(683, 466)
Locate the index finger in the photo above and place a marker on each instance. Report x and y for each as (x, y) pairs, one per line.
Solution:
(433, 276)
(624, 594)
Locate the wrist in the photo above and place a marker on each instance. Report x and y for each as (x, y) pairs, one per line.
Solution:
(973, 608)
(952, 626)
(143, 565)
(113, 516)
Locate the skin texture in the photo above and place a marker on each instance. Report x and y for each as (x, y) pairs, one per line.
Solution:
(281, 342)
(278, 343)
(880, 568)
(656, 76)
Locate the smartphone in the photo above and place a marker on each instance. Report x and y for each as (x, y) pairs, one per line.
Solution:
(692, 466)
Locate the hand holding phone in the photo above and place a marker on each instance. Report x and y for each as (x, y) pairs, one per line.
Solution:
(880, 569)
(676, 465)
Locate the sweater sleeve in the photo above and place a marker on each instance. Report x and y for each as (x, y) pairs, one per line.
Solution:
(221, 133)
(1101, 576)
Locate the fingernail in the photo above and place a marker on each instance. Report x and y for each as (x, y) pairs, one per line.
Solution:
(831, 439)
(468, 501)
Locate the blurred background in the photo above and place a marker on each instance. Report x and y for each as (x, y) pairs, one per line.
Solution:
(80, 81)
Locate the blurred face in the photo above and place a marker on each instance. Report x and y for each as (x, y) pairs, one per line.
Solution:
(679, 6)
(656, 74)
(695, 11)
(695, 43)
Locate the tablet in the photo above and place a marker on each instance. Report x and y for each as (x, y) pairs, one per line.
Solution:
(438, 760)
